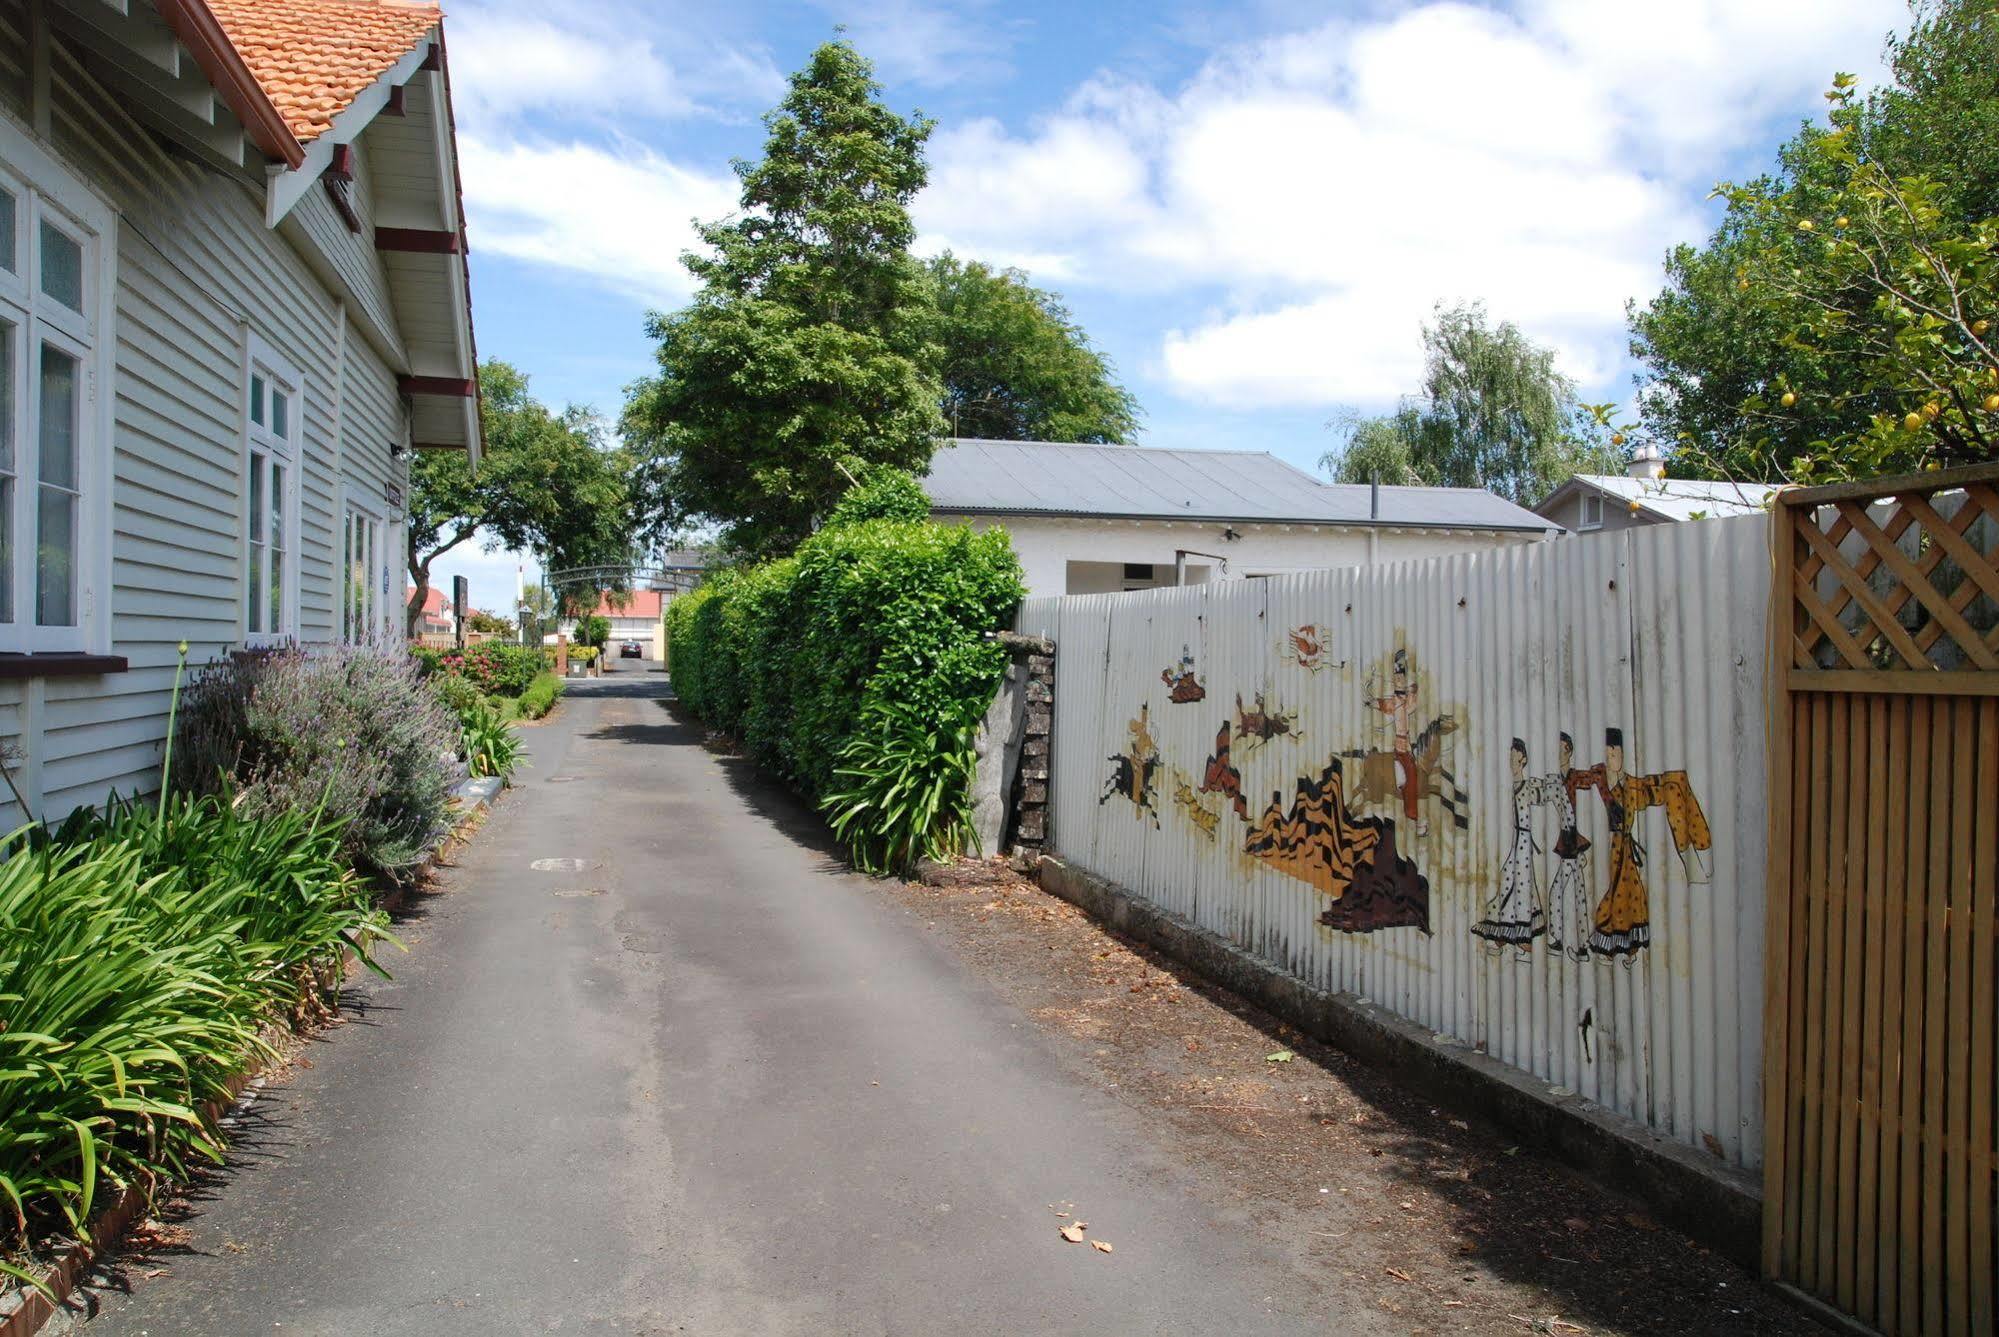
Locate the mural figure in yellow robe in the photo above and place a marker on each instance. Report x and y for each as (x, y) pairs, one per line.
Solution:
(1623, 921)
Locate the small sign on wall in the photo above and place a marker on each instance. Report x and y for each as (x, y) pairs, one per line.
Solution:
(392, 492)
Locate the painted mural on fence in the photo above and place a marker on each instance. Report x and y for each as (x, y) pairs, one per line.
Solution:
(1205, 817)
(1135, 771)
(1310, 647)
(1352, 860)
(1219, 775)
(1619, 922)
(1414, 767)
(1184, 683)
(1258, 724)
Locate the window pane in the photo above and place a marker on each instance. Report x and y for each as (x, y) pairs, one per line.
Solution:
(9, 230)
(6, 398)
(280, 403)
(62, 267)
(277, 589)
(258, 461)
(255, 573)
(6, 550)
(256, 399)
(55, 559)
(58, 405)
(277, 504)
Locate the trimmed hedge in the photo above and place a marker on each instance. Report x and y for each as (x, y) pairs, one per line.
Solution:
(541, 696)
(875, 612)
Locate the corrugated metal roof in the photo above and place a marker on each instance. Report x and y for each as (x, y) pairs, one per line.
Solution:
(1684, 498)
(970, 477)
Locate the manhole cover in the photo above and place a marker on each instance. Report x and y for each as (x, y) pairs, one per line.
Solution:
(560, 865)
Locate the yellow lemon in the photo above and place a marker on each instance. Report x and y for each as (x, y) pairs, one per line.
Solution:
(1805, 225)
(1980, 326)
(1839, 221)
(1992, 403)
(1788, 400)
(1913, 421)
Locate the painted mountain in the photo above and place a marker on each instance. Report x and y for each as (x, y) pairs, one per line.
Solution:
(1353, 860)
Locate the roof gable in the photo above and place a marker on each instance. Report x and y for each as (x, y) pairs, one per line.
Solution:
(1672, 498)
(312, 58)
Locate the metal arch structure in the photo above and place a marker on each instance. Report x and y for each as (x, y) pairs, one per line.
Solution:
(631, 576)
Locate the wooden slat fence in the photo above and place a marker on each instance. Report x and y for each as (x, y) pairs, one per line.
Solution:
(1884, 851)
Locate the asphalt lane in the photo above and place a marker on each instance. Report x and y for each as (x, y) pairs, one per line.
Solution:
(656, 1064)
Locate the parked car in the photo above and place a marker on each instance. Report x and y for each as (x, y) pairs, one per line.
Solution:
(630, 650)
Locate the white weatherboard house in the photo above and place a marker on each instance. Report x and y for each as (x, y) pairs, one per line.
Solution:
(233, 298)
(1091, 519)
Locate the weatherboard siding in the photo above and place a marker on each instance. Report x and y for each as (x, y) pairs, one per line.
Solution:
(197, 270)
(1046, 546)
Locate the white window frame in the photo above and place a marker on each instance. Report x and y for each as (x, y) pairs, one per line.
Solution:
(370, 621)
(1583, 521)
(265, 449)
(45, 189)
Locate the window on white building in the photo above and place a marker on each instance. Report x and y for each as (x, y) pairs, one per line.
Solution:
(272, 414)
(55, 276)
(1592, 511)
(362, 562)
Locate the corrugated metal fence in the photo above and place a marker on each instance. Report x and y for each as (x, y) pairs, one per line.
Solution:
(1230, 752)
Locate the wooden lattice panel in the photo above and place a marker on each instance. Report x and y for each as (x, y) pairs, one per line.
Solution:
(1882, 582)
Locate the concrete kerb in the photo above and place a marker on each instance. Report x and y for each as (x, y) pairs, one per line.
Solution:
(1716, 1204)
(33, 1309)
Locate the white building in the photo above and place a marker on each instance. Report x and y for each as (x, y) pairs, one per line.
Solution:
(233, 298)
(1643, 495)
(1093, 519)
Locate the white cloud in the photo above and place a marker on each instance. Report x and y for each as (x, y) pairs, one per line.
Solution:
(926, 42)
(511, 60)
(1321, 191)
(620, 215)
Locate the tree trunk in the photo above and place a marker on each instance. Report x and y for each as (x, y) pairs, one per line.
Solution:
(413, 615)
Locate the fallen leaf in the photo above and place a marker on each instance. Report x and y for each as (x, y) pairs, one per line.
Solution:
(1281, 1056)
(1101, 1246)
(1575, 1223)
(1399, 1274)
(1073, 1233)
(156, 1272)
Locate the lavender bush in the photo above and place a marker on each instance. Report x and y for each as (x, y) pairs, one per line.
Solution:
(353, 728)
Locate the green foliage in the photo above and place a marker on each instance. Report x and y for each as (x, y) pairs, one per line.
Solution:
(593, 631)
(488, 624)
(141, 952)
(585, 655)
(541, 696)
(495, 667)
(806, 347)
(547, 483)
(350, 731)
(1016, 366)
(1856, 279)
(1493, 413)
(901, 790)
(489, 744)
(800, 657)
(458, 693)
(882, 494)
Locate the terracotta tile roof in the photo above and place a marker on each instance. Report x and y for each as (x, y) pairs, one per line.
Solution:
(636, 603)
(313, 57)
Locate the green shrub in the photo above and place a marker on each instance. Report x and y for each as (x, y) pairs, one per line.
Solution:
(882, 494)
(495, 667)
(797, 657)
(902, 791)
(489, 743)
(594, 630)
(141, 953)
(458, 694)
(428, 659)
(541, 696)
(351, 731)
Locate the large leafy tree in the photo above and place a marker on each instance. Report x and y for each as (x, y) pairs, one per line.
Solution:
(1494, 412)
(805, 353)
(1016, 366)
(1834, 324)
(546, 483)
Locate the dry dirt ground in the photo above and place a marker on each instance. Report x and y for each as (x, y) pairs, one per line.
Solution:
(1444, 1221)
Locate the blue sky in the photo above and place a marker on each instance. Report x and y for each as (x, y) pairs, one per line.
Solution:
(1250, 207)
